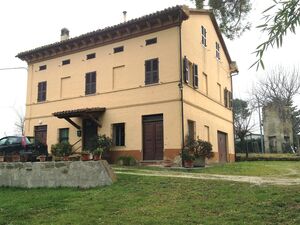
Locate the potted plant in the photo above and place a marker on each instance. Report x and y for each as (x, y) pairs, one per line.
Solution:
(97, 153)
(15, 157)
(202, 150)
(42, 158)
(102, 145)
(62, 150)
(85, 155)
(188, 158)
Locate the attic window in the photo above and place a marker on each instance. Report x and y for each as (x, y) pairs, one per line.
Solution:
(91, 56)
(43, 67)
(119, 49)
(66, 62)
(151, 41)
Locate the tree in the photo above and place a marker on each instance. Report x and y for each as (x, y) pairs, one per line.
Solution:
(279, 19)
(285, 17)
(242, 118)
(20, 122)
(279, 87)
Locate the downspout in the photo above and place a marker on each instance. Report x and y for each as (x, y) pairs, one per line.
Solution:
(180, 85)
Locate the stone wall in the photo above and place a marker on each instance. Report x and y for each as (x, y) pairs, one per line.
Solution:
(56, 174)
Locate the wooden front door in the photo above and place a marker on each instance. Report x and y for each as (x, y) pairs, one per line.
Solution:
(222, 147)
(40, 134)
(153, 137)
(89, 133)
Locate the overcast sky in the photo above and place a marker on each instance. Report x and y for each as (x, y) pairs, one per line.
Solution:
(33, 23)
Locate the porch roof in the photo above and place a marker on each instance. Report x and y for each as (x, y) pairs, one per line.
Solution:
(78, 112)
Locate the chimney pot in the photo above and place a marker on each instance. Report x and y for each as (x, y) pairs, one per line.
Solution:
(125, 14)
(64, 35)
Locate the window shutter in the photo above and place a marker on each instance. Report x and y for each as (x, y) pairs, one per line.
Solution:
(196, 80)
(230, 99)
(44, 91)
(39, 92)
(226, 97)
(87, 83)
(148, 72)
(185, 70)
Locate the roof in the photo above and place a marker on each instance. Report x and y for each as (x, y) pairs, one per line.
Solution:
(78, 112)
(150, 23)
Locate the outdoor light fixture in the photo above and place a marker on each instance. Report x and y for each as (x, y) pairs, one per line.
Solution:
(78, 133)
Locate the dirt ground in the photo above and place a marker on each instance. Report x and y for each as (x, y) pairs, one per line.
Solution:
(201, 176)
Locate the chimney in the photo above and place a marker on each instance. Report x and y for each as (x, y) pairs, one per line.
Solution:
(125, 14)
(64, 35)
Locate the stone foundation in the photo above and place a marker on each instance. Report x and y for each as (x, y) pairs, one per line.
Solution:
(56, 174)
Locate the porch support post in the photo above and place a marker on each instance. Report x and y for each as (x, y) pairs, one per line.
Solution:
(73, 123)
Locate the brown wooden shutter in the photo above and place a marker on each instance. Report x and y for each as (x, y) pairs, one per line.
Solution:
(226, 97)
(186, 70)
(230, 99)
(195, 73)
(148, 72)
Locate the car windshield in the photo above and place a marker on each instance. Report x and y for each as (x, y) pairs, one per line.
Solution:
(3, 141)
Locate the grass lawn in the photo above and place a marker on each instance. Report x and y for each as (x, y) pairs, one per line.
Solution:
(153, 200)
(284, 169)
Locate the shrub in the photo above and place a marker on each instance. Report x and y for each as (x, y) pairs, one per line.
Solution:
(101, 144)
(199, 148)
(61, 149)
(126, 161)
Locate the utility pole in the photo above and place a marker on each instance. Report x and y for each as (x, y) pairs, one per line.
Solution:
(260, 128)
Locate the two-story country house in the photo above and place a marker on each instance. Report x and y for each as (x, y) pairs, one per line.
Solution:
(147, 83)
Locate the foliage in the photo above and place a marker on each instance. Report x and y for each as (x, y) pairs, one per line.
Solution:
(61, 149)
(242, 118)
(101, 144)
(126, 161)
(187, 155)
(231, 15)
(279, 19)
(199, 148)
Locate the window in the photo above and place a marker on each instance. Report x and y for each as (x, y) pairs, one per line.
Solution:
(43, 67)
(191, 130)
(119, 49)
(227, 98)
(151, 71)
(203, 35)
(119, 134)
(195, 76)
(218, 51)
(42, 89)
(91, 56)
(190, 72)
(151, 41)
(66, 62)
(90, 83)
(63, 136)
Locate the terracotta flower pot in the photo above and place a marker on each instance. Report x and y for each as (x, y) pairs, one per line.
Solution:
(188, 163)
(65, 158)
(85, 157)
(16, 158)
(42, 158)
(96, 157)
